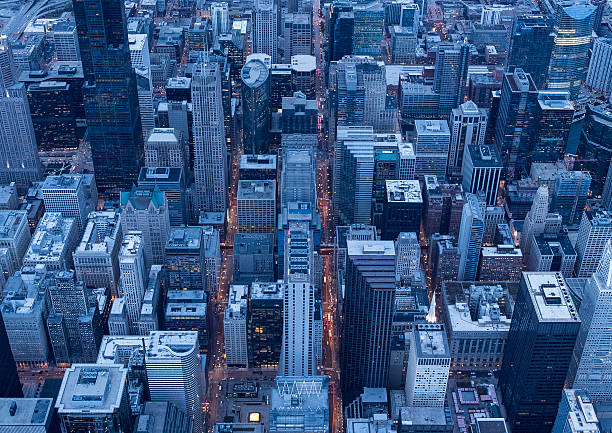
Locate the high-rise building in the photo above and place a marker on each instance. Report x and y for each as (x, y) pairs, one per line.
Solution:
(11, 387)
(118, 321)
(304, 401)
(482, 169)
(171, 182)
(66, 41)
(591, 354)
(110, 94)
(14, 235)
(599, 76)
(468, 125)
(402, 208)
(146, 211)
(594, 151)
(445, 259)
(576, 413)
(266, 29)
(256, 106)
(174, 372)
(52, 243)
(432, 147)
(408, 255)
(133, 276)
(185, 259)
(253, 257)
(299, 115)
(298, 350)
(94, 397)
(551, 253)
(531, 47)
(593, 234)
(470, 238)
(535, 221)
(8, 71)
(515, 122)
(298, 176)
(256, 206)
(219, 15)
(235, 327)
(450, 78)
(72, 195)
(258, 167)
(165, 148)
(500, 263)
(368, 311)
(570, 196)
(341, 28)
(265, 332)
(428, 366)
(573, 28)
(368, 27)
(297, 32)
(538, 351)
(210, 148)
(554, 116)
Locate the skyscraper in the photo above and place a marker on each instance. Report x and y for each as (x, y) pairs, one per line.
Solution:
(450, 77)
(594, 233)
(368, 311)
(209, 144)
(599, 76)
(219, 15)
(574, 22)
(110, 93)
(554, 115)
(535, 221)
(255, 77)
(538, 351)
(468, 125)
(368, 28)
(481, 171)
(592, 356)
(470, 238)
(266, 29)
(133, 277)
(532, 44)
(570, 196)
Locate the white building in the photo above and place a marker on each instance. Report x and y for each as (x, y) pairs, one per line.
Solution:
(298, 35)
(599, 76)
(14, 234)
(408, 255)
(431, 148)
(594, 233)
(164, 148)
(406, 163)
(139, 50)
(535, 221)
(481, 171)
(133, 276)
(174, 371)
(210, 150)
(73, 195)
(96, 258)
(266, 29)
(219, 15)
(468, 126)
(118, 322)
(66, 41)
(428, 366)
(256, 206)
(52, 243)
(235, 327)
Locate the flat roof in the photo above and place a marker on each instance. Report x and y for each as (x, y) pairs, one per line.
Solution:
(551, 297)
(431, 340)
(29, 412)
(407, 191)
(256, 190)
(370, 248)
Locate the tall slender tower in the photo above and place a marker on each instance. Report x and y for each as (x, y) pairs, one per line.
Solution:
(133, 277)
(470, 238)
(109, 93)
(208, 138)
(536, 218)
(266, 28)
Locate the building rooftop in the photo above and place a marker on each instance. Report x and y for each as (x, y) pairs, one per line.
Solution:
(182, 311)
(550, 297)
(116, 347)
(170, 344)
(185, 238)
(137, 41)
(160, 175)
(49, 239)
(118, 307)
(101, 232)
(237, 302)
(258, 162)
(162, 135)
(10, 221)
(91, 389)
(266, 291)
(140, 198)
(431, 340)
(303, 63)
(254, 73)
(431, 127)
(407, 191)
(484, 156)
(256, 190)
(425, 416)
(130, 246)
(370, 248)
(23, 414)
(501, 251)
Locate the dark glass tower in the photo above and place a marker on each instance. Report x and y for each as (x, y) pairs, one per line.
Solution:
(532, 44)
(9, 381)
(538, 351)
(109, 93)
(256, 107)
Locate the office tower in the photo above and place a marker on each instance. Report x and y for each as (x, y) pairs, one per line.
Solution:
(310, 413)
(482, 169)
(8, 197)
(573, 28)
(444, 205)
(538, 351)
(297, 32)
(445, 259)
(576, 413)
(515, 123)
(186, 311)
(470, 238)
(265, 36)
(408, 259)
(591, 354)
(256, 206)
(500, 263)
(172, 357)
(532, 43)
(59, 339)
(402, 208)
(118, 321)
(253, 257)
(14, 234)
(406, 161)
(258, 167)
(165, 416)
(219, 15)
(593, 234)
(133, 276)
(171, 182)
(165, 147)
(368, 310)
(146, 211)
(368, 27)
(281, 84)
(93, 397)
(8, 72)
(304, 74)
(298, 350)
(551, 253)
(256, 106)
(468, 125)
(554, 117)
(594, 152)
(151, 302)
(110, 94)
(298, 176)
(96, 256)
(208, 139)
(265, 331)
(432, 147)
(450, 78)
(299, 115)
(20, 162)
(599, 76)
(72, 195)
(235, 327)
(341, 28)
(212, 258)
(185, 259)
(66, 41)
(35, 415)
(428, 366)
(569, 198)
(52, 243)
(535, 221)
